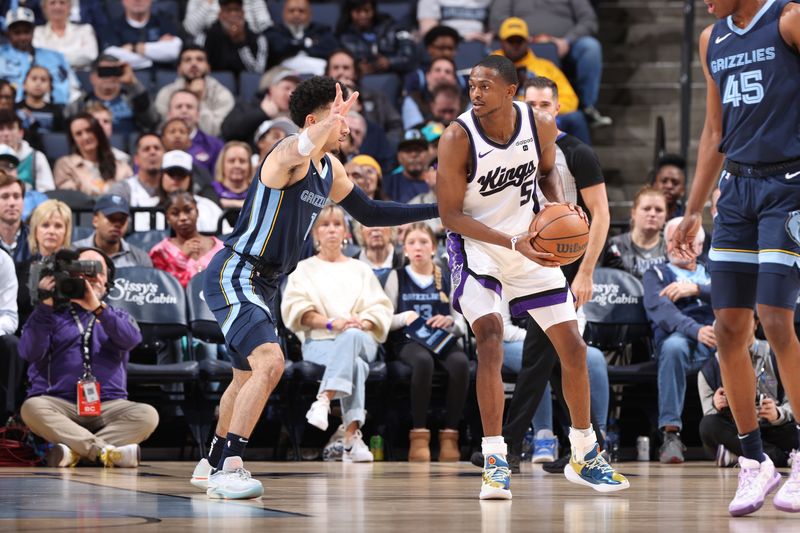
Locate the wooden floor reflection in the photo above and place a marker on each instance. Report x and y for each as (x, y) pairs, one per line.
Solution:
(367, 498)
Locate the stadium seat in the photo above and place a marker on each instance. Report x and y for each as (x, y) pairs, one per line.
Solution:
(388, 83)
(547, 51)
(469, 53)
(248, 85)
(81, 232)
(401, 12)
(82, 205)
(226, 78)
(120, 141)
(147, 239)
(55, 145)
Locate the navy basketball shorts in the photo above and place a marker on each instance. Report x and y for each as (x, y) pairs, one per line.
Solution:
(240, 302)
(754, 258)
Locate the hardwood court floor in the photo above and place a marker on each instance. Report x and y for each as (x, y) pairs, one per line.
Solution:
(356, 498)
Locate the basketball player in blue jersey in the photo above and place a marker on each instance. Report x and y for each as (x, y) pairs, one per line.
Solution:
(292, 185)
(488, 161)
(751, 60)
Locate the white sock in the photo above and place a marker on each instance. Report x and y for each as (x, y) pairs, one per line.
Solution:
(582, 440)
(494, 445)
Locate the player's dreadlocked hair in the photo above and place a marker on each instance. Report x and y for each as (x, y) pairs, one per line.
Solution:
(312, 95)
(504, 66)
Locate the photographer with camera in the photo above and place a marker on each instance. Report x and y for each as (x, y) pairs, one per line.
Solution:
(78, 348)
(116, 87)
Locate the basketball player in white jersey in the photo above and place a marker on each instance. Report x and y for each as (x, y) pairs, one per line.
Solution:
(488, 163)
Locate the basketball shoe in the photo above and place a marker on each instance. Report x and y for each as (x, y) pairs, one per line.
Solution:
(788, 498)
(756, 480)
(233, 482)
(201, 473)
(545, 447)
(592, 470)
(121, 456)
(61, 455)
(496, 483)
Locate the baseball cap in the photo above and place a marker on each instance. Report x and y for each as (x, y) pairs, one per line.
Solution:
(177, 159)
(281, 123)
(369, 161)
(109, 204)
(20, 14)
(277, 74)
(413, 138)
(513, 27)
(7, 153)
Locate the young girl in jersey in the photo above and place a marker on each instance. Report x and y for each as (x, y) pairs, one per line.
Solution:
(420, 290)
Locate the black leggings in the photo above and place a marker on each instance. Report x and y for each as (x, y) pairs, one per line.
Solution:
(421, 362)
(778, 441)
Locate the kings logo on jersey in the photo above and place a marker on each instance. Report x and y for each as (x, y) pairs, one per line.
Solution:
(501, 178)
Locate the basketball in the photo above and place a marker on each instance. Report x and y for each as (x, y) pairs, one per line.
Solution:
(562, 232)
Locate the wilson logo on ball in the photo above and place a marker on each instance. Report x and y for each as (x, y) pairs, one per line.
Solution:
(570, 248)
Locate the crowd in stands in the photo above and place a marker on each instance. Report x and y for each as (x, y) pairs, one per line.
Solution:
(130, 132)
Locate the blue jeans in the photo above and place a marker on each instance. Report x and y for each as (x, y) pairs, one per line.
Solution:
(585, 61)
(598, 392)
(575, 124)
(345, 359)
(598, 385)
(678, 356)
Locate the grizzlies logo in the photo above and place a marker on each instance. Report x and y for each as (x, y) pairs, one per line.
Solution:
(793, 226)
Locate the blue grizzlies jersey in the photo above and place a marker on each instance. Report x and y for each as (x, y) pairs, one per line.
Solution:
(758, 76)
(425, 301)
(274, 223)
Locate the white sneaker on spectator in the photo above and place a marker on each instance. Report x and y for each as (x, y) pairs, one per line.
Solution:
(233, 482)
(334, 450)
(358, 452)
(60, 455)
(121, 456)
(317, 415)
(201, 474)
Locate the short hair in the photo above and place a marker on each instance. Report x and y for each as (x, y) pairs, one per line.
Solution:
(39, 67)
(7, 179)
(540, 82)
(219, 165)
(96, 106)
(440, 31)
(191, 47)
(182, 91)
(312, 95)
(452, 63)
(145, 134)
(325, 212)
(503, 66)
(42, 213)
(107, 58)
(447, 89)
(349, 54)
(8, 117)
(671, 160)
(647, 190)
(673, 223)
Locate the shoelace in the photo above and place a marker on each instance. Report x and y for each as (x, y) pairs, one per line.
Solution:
(242, 473)
(499, 473)
(601, 464)
(747, 486)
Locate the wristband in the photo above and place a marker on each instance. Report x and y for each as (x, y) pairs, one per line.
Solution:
(514, 240)
(329, 325)
(99, 310)
(304, 144)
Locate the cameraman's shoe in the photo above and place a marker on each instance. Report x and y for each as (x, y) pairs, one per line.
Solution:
(60, 455)
(120, 456)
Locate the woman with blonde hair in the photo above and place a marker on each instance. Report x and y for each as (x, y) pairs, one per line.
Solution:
(50, 228)
(233, 174)
(336, 306)
(644, 245)
(420, 291)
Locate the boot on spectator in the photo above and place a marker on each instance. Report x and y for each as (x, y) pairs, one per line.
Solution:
(448, 446)
(419, 449)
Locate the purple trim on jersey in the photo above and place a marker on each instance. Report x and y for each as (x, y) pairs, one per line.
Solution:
(474, 165)
(520, 306)
(459, 270)
(490, 142)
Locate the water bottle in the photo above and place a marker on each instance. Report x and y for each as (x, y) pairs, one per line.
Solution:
(612, 441)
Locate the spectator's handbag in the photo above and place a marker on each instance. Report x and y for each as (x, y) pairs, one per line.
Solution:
(88, 387)
(437, 340)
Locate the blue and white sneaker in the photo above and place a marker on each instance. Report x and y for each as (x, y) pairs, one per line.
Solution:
(545, 450)
(496, 483)
(334, 450)
(595, 472)
(233, 482)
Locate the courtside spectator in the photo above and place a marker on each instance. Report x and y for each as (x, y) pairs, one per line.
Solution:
(299, 43)
(116, 86)
(194, 75)
(669, 177)
(643, 246)
(233, 174)
(143, 36)
(469, 17)
(420, 291)
(268, 133)
(378, 250)
(271, 102)
(202, 14)
(407, 181)
(205, 148)
(91, 166)
(337, 308)
(51, 343)
(18, 54)
(232, 45)
(13, 231)
(77, 42)
(50, 229)
(378, 43)
(570, 25)
(110, 222)
(677, 298)
(188, 252)
(31, 166)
